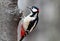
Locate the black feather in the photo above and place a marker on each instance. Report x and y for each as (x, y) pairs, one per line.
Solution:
(22, 38)
(32, 23)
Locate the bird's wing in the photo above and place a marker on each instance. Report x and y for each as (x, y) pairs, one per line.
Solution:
(37, 19)
(32, 24)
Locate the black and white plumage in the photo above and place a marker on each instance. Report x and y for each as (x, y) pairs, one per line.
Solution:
(29, 22)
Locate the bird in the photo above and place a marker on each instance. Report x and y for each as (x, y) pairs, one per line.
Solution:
(29, 22)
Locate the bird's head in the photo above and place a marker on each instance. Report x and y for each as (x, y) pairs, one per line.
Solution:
(34, 9)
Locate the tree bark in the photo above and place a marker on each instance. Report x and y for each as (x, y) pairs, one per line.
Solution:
(9, 18)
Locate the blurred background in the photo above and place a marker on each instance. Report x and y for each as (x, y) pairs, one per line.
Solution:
(48, 28)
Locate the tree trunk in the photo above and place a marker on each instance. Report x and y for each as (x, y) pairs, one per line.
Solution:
(9, 18)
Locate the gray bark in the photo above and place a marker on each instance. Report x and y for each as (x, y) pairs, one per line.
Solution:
(8, 20)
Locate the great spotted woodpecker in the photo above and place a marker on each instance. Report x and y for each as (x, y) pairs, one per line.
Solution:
(29, 22)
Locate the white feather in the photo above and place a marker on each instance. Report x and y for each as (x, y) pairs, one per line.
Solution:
(26, 21)
(34, 10)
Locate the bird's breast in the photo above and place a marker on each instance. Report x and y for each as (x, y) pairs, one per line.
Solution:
(26, 22)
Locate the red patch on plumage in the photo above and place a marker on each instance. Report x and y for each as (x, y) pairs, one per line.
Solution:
(38, 10)
(22, 31)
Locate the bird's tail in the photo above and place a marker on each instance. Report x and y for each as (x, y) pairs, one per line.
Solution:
(22, 38)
